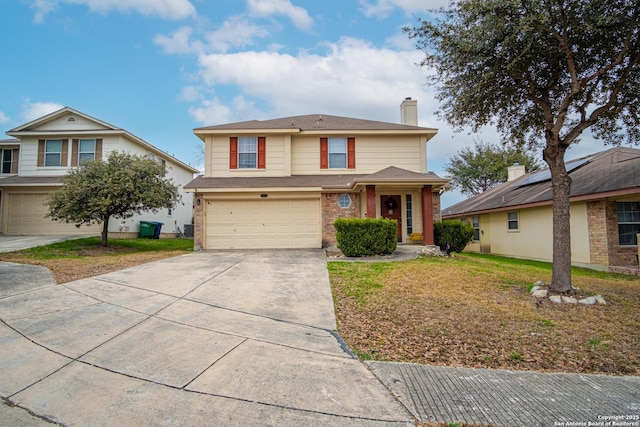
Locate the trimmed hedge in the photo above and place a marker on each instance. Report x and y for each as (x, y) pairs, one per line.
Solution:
(452, 235)
(366, 236)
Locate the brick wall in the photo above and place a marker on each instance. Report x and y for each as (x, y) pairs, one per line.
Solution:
(198, 238)
(598, 237)
(618, 255)
(435, 197)
(331, 211)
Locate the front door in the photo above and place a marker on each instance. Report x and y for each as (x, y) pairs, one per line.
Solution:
(391, 209)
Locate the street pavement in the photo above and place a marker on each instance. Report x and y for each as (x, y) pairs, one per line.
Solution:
(244, 338)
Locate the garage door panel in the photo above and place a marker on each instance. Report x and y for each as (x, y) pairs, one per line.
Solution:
(263, 224)
(26, 216)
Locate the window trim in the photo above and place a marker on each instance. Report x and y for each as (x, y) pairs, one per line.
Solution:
(509, 221)
(48, 153)
(476, 226)
(350, 157)
(632, 223)
(4, 161)
(260, 153)
(341, 198)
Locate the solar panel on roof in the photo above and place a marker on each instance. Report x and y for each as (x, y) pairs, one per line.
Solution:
(545, 175)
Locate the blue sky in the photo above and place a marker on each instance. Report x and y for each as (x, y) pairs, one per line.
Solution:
(159, 68)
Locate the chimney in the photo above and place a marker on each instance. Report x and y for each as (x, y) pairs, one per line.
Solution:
(409, 112)
(516, 171)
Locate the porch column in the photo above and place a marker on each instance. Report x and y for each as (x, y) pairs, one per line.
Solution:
(371, 201)
(427, 216)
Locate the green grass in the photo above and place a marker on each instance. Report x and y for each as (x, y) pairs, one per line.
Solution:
(78, 248)
(360, 278)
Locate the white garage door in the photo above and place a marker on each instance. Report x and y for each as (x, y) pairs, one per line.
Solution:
(264, 223)
(26, 217)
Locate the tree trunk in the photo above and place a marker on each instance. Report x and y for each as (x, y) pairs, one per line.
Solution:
(561, 184)
(105, 231)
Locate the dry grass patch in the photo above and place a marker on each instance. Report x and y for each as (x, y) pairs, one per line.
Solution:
(81, 258)
(475, 311)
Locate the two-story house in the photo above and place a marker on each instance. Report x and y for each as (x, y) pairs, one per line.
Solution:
(46, 148)
(282, 183)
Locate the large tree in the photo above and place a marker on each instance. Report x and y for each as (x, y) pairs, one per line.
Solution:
(124, 185)
(476, 169)
(539, 70)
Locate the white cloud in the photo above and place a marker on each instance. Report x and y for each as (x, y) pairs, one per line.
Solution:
(168, 9)
(266, 8)
(4, 119)
(179, 42)
(381, 8)
(235, 32)
(213, 111)
(35, 110)
(351, 78)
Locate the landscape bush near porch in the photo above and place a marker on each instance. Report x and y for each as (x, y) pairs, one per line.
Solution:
(366, 236)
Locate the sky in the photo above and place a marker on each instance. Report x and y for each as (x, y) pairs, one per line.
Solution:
(160, 68)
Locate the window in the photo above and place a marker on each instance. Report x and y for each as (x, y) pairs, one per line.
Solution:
(53, 152)
(475, 221)
(337, 153)
(247, 152)
(6, 161)
(628, 223)
(344, 201)
(512, 221)
(409, 209)
(86, 150)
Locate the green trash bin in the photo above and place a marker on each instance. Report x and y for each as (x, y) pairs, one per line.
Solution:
(147, 229)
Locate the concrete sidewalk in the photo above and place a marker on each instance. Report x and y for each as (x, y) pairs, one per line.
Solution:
(17, 243)
(210, 338)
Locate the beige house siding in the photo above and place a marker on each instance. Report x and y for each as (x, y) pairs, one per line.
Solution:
(533, 239)
(217, 157)
(373, 153)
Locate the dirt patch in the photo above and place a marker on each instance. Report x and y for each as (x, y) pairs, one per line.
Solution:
(457, 312)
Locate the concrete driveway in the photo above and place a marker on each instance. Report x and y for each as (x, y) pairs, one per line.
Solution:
(210, 338)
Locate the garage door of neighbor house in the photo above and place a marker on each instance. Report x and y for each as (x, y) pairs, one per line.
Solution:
(26, 217)
(264, 223)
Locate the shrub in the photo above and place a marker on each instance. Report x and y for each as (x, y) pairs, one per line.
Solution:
(366, 236)
(451, 235)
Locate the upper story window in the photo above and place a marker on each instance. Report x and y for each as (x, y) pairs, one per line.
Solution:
(7, 161)
(337, 153)
(628, 222)
(513, 224)
(86, 150)
(247, 152)
(53, 152)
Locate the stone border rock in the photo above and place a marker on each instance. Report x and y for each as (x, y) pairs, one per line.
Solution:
(540, 292)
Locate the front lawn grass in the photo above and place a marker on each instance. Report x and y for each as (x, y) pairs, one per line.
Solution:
(475, 311)
(79, 258)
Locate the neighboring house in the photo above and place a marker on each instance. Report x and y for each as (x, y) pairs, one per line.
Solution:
(515, 218)
(45, 150)
(281, 183)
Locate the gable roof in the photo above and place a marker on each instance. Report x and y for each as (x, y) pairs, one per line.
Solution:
(614, 172)
(104, 128)
(315, 123)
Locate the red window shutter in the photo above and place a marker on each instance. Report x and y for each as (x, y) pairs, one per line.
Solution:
(41, 152)
(262, 153)
(324, 153)
(74, 151)
(351, 153)
(233, 152)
